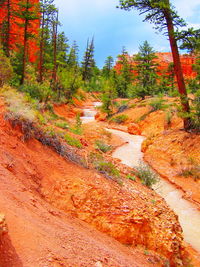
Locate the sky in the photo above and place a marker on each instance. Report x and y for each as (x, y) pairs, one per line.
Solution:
(114, 28)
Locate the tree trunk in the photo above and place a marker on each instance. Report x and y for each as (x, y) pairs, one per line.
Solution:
(40, 77)
(178, 69)
(54, 74)
(25, 45)
(8, 30)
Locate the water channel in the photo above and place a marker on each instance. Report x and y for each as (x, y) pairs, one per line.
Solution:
(131, 155)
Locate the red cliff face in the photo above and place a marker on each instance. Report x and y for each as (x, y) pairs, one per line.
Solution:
(164, 59)
(16, 27)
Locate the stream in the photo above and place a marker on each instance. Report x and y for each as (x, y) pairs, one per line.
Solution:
(188, 215)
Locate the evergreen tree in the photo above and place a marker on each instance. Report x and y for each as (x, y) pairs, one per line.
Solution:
(27, 12)
(107, 69)
(5, 26)
(88, 63)
(125, 77)
(146, 69)
(72, 58)
(161, 13)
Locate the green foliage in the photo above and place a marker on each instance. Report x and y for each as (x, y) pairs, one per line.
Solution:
(62, 124)
(107, 97)
(50, 131)
(69, 81)
(72, 141)
(124, 78)
(120, 118)
(157, 104)
(146, 69)
(102, 146)
(146, 175)
(41, 119)
(6, 70)
(168, 117)
(131, 177)
(192, 171)
(88, 63)
(107, 168)
(42, 92)
(107, 69)
(19, 106)
(77, 129)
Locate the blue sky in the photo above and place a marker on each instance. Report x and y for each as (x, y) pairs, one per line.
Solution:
(113, 28)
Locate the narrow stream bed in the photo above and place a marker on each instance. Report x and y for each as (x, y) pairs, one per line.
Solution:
(189, 217)
(131, 155)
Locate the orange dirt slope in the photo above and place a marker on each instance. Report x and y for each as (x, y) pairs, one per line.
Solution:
(42, 235)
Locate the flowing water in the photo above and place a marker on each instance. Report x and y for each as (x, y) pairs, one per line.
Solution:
(131, 155)
(189, 217)
(89, 114)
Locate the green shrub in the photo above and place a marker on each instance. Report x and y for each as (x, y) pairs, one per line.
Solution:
(157, 104)
(77, 129)
(102, 146)
(131, 177)
(41, 119)
(146, 175)
(107, 168)
(18, 105)
(72, 141)
(6, 70)
(42, 92)
(62, 124)
(119, 119)
(50, 131)
(192, 171)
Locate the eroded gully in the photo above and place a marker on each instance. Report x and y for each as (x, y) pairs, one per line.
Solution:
(131, 155)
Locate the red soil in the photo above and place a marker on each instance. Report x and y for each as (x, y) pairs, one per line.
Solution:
(42, 235)
(38, 233)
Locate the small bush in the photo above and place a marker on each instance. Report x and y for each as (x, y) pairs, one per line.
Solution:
(131, 177)
(62, 124)
(41, 119)
(6, 70)
(119, 119)
(146, 175)
(106, 133)
(50, 131)
(18, 105)
(102, 146)
(193, 171)
(77, 129)
(157, 104)
(42, 92)
(72, 141)
(107, 168)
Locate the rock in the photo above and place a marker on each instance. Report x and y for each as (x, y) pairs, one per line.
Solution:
(3, 225)
(101, 116)
(133, 128)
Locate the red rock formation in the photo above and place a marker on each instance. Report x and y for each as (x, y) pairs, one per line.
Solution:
(16, 31)
(164, 59)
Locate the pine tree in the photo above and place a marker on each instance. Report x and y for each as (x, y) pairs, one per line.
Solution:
(27, 12)
(107, 68)
(48, 23)
(72, 58)
(161, 13)
(146, 69)
(88, 63)
(125, 77)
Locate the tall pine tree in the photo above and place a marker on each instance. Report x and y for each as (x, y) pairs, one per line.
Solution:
(162, 14)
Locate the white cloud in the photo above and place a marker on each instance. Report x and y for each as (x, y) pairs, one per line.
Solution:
(186, 8)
